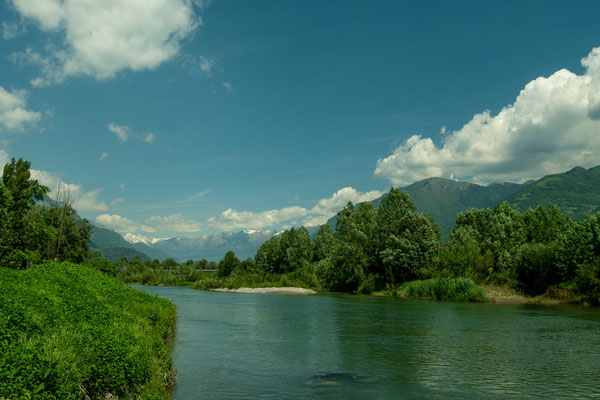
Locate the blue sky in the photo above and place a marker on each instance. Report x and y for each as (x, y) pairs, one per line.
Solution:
(182, 117)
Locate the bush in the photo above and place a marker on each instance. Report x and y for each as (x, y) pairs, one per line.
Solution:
(71, 332)
(536, 268)
(456, 289)
(588, 282)
(303, 277)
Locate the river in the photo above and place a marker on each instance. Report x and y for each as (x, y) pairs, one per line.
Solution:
(247, 346)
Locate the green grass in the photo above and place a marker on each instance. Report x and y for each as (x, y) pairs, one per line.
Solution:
(452, 289)
(71, 332)
(300, 278)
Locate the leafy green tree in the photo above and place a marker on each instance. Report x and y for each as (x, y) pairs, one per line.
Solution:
(228, 264)
(323, 243)
(536, 268)
(296, 247)
(407, 242)
(499, 233)
(579, 246)
(269, 256)
(344, 270)
(17, 197)
(459, 258)
(545, 225)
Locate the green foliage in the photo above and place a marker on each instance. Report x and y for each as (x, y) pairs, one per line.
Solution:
(228, 264)
(407, 242)
(324, 243)
(29, 232)
(576, 192)
(588, 282)
(454, 289)
(536, 268)
(285, 253)
(165, 273)
(70, 332)
(303, 277)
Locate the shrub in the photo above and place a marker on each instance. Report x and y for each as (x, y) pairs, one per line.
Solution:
(457, 289)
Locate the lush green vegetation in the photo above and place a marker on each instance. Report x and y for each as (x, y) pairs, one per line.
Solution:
(70, 332)
(456, 289)
(30, 231)
(168, 273)
(380, 249)
(576, 192)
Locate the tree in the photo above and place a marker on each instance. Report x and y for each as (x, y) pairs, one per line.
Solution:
(228, 264)
(17, 197)
(269, 256)
(407, 242)
(324, 243)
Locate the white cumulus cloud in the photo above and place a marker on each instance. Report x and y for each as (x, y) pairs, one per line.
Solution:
(116, 222)
(232, 219)
(124, 133)
(552, 126)
(101, 38)
(150, 137)
(75, 194)
(121, 132)
(175, 222)
(14, 115)
(331, 205)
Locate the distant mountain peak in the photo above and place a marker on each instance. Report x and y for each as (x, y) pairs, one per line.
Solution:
(131, 238)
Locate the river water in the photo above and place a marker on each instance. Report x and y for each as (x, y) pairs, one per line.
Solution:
(247, 346)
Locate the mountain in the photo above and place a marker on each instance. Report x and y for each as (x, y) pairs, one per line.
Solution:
(115, 253)
(576, 192)
(444, 198)
(113, 246)
(211, 247)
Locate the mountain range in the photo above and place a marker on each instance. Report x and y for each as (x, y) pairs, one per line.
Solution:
(576, 192)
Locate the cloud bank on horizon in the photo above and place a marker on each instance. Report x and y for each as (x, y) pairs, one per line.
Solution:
(553, 125)
(101, 38)
(231, 219)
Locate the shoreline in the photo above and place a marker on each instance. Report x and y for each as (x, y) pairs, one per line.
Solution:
(269, 290)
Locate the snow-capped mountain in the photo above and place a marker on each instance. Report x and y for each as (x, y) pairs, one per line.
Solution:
(132, 238)
(211, 247)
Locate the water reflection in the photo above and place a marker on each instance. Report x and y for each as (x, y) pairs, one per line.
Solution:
(336, 346)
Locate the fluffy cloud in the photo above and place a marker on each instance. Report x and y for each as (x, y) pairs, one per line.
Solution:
(14, 115)
(231, 219)
(175, 222)
(124, 133)
(101, 38)
(121, 132)
(199, 65)
(150, 137)
(228, 86)
(103, 156)
(116, 222)
(73, 193)
(331, 205)
(552, 126)
(10, 30)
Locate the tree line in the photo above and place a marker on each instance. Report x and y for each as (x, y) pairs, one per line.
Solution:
(371, 248)
(32, 230)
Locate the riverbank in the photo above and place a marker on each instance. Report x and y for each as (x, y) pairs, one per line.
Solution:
(269, 290)
(68, 331)
(483, 293)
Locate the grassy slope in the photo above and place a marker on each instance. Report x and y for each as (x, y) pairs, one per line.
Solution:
(576, 192)
(70, 332)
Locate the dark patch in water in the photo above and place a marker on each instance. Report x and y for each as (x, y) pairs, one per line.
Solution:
(338, 378)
